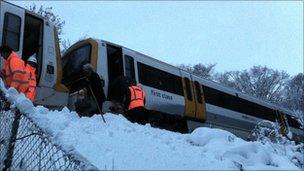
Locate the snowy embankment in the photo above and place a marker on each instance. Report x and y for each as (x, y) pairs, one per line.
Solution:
(121, 145)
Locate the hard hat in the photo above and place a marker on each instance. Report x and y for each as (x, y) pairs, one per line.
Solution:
(32, 59)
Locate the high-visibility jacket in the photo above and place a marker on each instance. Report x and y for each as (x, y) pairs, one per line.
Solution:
(137, 97)
(32, 83)
(14, 73)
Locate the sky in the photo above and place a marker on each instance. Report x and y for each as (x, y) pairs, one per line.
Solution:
(233, 34)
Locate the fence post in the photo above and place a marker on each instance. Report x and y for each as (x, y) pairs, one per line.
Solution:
(12, 140)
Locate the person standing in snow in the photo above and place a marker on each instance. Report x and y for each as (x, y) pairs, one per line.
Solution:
(94, 85)
(13, 72)
(31, 76)
(135, 103)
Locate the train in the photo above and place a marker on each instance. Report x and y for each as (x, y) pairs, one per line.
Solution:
(173, 94)
(178, 99)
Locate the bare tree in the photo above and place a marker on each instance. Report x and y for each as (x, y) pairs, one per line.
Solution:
(65, 44)
(204, 71)
(259, 81)
(294, 93)
(47, 13)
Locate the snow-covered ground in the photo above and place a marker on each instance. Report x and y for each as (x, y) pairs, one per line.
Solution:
(121, 145)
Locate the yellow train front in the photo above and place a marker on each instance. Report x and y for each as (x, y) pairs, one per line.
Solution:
(179, 100)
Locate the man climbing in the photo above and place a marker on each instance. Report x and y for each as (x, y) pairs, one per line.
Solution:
(13, 71)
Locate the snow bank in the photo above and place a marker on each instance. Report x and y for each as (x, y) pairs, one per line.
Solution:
(121, 145)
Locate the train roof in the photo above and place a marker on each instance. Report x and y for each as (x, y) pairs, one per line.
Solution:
(28, 11)
(205, 81)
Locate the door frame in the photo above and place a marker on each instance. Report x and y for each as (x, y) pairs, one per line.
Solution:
(200, 107)
(189, 103)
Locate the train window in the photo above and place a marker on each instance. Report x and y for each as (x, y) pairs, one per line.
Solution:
(212, 96)
(73, 62)
(292, 122)
(221, 99)
(188, 89)
(129, 66)
(11, 31)
(198, 92)
(159, 79)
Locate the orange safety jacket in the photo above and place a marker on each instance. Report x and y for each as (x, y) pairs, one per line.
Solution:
(31, 77)
(137, 97)
(14, 73)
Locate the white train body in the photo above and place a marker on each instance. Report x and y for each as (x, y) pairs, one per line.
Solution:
(172, 91)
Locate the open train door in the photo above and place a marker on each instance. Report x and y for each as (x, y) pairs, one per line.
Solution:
(115, 67)
(188, 94)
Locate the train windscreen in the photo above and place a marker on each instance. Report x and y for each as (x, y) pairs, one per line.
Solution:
(72, 64)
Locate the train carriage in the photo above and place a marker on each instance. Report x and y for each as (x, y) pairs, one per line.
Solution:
(175, 94)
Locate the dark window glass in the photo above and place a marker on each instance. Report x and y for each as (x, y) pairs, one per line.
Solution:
(73, 62)
(198, 92)
(224, 100)
(292, 122)
(188, 89)
(129, 64)
(159, 79)
(11, 31)
(212, 96)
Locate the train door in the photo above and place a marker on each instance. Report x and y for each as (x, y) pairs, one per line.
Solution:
(11, 26)
(32, 40)
(282, 121)
(200, 105)
(188, 95)
(115, 67)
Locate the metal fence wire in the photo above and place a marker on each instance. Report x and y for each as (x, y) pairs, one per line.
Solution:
(24, 146)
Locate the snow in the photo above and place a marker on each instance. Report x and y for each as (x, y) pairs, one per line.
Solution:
(121, 145)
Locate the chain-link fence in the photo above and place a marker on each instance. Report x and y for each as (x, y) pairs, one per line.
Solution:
(24, 146)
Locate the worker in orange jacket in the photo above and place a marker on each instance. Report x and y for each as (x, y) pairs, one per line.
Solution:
(13, 72)
(31, 76)
(135, 101)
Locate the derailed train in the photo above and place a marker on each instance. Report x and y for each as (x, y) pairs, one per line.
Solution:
(171, 93)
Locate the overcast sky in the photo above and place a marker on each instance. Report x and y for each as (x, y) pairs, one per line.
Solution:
(234, 35)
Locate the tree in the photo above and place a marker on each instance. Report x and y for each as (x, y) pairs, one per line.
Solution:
(294, 93)
(204, 71)
(65, 44)
(259, 81)
(48, 14)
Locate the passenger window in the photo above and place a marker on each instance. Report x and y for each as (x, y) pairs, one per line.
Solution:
(11, 31)
(159, 79)
(188, 89)
(129, 65)
(198, 92)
